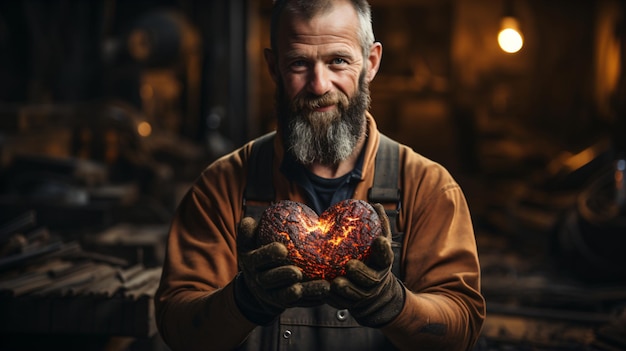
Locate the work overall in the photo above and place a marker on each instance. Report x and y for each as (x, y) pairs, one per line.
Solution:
(322, 327)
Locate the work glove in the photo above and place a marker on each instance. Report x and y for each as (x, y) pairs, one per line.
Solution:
(268, 283)
(369, 290)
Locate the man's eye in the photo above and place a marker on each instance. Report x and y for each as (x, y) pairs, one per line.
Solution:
(299, 63)
(338, 61)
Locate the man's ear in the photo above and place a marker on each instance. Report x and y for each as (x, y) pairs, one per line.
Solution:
(270, 60)
(373, 60)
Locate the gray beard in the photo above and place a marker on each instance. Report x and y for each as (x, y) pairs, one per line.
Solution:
(309, 145)
(323, 137)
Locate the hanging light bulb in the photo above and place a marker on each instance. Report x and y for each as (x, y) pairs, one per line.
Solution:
(510, 37)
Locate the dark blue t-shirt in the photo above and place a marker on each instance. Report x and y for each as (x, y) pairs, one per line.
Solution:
(323, 192)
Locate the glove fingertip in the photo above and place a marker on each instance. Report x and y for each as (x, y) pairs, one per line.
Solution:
(278, 249)
(379, 208)
(381, 243)
(245, 233)
(292, 294)
(382, 254)
(247, 226)
(338, 283)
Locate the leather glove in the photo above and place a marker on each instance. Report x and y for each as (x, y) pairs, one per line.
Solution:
(268, 283)
(370, 291)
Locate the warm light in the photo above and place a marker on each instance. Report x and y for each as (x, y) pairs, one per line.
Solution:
(144, 129)
(510, 38)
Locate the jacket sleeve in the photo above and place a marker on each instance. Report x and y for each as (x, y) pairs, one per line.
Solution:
(444, 309)
(194, 304)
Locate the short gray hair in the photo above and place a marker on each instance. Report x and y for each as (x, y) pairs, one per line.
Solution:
(310, 8)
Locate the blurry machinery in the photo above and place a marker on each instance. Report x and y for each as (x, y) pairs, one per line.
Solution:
(122, 142)
(168, 50)
(160, 56)
(592, 235)
(88, 181)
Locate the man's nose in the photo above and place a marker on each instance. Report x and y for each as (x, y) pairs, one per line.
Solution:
(319, 80)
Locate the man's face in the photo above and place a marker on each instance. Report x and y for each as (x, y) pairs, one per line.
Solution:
(322, 85)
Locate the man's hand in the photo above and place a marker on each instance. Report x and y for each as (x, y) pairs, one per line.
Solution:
(268, 283)
(372, 294)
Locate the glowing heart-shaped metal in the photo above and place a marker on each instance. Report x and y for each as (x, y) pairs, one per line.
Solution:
(321, 246)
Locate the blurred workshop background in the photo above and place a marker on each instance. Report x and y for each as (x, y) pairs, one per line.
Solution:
(109, 109)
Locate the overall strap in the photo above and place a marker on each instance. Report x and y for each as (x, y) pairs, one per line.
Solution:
(385, 191)
(259, 192)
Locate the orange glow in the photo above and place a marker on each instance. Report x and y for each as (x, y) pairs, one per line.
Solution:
(144, 129)
(322, 246)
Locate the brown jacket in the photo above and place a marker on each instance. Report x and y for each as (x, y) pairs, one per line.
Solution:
(444, 310)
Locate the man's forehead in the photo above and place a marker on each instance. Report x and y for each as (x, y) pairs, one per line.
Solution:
(327, 38)
(341, 14)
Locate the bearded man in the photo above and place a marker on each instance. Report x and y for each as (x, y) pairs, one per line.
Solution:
(222, 290)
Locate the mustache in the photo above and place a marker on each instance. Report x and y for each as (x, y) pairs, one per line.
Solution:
(312, 102)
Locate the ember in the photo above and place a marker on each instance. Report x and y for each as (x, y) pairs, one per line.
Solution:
(321, 246)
